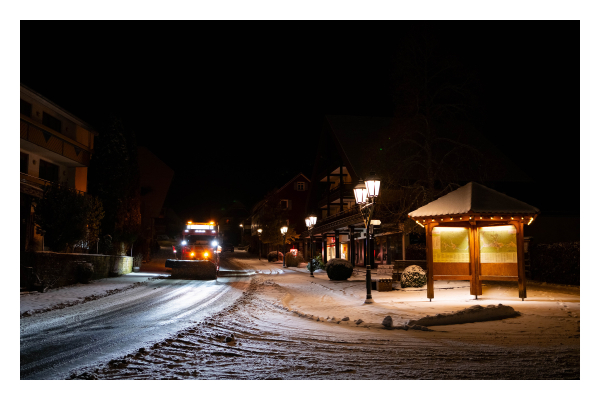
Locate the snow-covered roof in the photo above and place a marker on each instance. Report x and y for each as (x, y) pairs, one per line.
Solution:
(473, 198)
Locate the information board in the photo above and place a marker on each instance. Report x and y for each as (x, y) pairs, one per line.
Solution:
(498, 244)
(450, 245)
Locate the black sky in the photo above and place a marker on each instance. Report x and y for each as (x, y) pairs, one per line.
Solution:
(236, 108)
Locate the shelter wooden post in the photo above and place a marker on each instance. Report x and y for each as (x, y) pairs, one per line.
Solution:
(521, 280)
(429, 242)
(474, 257)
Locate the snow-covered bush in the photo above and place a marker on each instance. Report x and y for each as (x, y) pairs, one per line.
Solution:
(339, 269)
(274, 256)
(315, 264)
(413, 276)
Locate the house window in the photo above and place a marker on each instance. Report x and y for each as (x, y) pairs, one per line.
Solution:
(24, 163)
(284, 204)
(25, 108)
(48, 171)
(51, 122)
(300, 186)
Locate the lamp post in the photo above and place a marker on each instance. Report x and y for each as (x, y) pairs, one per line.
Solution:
(241, 234)
(365, 194)
(311, 221)
(283, 232)
(259, 244)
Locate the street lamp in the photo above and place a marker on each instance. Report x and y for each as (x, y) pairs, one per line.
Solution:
(311, 221)
(259, 245)
(365, 194)
(241, 234)
(283, 232)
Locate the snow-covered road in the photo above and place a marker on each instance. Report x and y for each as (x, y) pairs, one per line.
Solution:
(54, 342)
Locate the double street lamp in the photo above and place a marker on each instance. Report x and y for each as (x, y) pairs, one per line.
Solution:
(283, 232)
(365, 194)
(311, 221)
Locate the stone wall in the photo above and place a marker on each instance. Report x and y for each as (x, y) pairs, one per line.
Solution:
(60, 269)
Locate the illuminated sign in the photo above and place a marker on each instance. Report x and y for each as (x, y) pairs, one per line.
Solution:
(198, 227)
(498, 244)
(450, 245)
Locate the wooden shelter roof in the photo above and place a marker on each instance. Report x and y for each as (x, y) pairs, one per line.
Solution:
(474, 198)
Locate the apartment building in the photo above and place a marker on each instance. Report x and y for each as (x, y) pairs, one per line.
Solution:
(56, 147)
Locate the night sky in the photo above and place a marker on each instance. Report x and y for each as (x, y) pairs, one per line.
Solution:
(236, 108)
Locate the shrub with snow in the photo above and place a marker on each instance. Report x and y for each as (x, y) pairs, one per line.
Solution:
(274, 256)
(339, 269)
(315, 264)
(413, 276)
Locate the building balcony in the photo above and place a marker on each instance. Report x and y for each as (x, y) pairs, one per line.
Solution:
(345, 191)
(35, 186)
(71, 152)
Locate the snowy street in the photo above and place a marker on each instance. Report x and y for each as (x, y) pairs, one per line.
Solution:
(279, 323)
(54, 342)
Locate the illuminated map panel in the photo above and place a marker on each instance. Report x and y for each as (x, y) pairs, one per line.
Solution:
(450, 245)
(498, 244)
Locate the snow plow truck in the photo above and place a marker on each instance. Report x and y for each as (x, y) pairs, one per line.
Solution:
(197, 256)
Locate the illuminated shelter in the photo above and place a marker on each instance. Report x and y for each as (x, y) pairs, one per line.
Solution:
(475, 233)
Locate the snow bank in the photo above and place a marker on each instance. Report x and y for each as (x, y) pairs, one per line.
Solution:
(474, 313)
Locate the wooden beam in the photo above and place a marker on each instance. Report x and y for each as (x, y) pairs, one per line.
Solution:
(429, 241)
(520, 258)
(452, 277)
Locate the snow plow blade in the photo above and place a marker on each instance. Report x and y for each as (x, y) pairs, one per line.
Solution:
(192, 269)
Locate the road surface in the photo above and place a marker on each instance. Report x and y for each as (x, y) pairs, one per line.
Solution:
(55, 342)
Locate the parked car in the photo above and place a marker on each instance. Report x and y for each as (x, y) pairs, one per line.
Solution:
(227, 247)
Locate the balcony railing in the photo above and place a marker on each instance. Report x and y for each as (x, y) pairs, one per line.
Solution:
(38, 183)
(336, 192)
(53, 142)
(342, 214)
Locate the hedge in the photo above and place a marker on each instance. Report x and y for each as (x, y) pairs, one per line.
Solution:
(555, 263)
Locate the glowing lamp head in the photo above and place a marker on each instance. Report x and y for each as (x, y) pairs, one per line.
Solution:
(360, 192)
(372, 183)
(259, 231)
(214, 243)
(284, 229)
(184, 242)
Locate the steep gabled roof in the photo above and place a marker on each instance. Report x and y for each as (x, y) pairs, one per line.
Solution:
(292, 180)
(473, 198)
